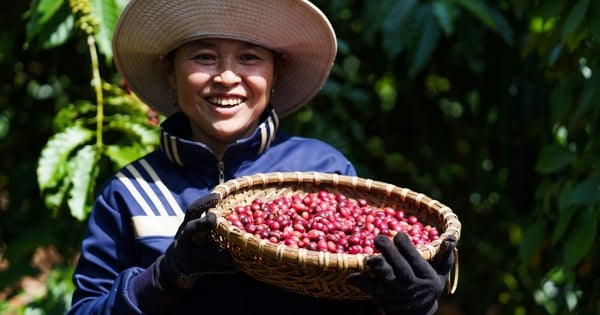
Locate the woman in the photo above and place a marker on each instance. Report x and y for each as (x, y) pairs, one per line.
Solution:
(223, 72)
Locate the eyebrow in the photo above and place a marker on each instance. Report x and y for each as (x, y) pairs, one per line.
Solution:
(211, 43)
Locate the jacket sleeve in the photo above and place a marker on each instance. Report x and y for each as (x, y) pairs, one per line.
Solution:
(108, 274)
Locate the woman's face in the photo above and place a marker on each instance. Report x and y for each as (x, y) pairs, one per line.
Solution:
(223, 86)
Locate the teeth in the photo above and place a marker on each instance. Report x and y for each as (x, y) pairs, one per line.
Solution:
(226, 101)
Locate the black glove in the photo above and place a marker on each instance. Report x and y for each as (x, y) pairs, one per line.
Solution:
(400, 280)
(193, 253)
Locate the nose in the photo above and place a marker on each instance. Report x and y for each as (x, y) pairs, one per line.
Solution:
(227, 77)
(227, 74)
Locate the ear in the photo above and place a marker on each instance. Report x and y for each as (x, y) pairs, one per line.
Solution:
(279, 62)
(167, 65)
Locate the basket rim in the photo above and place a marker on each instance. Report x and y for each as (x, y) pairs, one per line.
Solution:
(322, 259)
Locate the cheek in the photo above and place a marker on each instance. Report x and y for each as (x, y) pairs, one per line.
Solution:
(260, 86)
(189, 84)
(262, 82)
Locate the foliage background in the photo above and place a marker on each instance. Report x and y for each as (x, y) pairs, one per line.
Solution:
(489, 106)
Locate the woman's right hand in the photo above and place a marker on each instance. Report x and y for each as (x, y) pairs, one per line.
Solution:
(193, 253)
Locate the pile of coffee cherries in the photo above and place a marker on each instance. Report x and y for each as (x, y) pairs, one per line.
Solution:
(325, 221)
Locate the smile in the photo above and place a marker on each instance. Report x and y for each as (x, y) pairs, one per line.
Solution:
(226, 101)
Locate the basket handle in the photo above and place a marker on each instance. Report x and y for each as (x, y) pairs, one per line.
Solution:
(453, 283)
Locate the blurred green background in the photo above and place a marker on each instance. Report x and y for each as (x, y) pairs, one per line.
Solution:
(489, 106)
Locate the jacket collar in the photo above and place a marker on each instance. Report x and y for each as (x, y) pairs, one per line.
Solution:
(176, 143)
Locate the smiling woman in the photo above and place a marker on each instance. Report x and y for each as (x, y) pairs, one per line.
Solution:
(223, 86)
(224, 72)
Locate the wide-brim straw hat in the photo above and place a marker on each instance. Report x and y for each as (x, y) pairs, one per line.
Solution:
(149, 29)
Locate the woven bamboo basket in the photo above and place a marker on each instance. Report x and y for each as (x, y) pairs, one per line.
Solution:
(317, 273)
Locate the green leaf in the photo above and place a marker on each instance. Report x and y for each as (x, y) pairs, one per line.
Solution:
(372, 11)
(565, 214)
(490, 17)
(550, 9)
(427, 39)
(54, 199)
(574, 18)
(588, 100)
(45, 10)
(51, 22)
(478, 9)
(141, 133)
(61, 34)
(81, 175)
(399, 15)
(553, 158)
(123, 155)
(564, 219)
(444, 15)
(501, 25)
(55, 154)
(107, 11)
(580, 240)
(593, 20)
(394, 26)
(560, 100)
(587, 192)
(71, 112)
(532, 240)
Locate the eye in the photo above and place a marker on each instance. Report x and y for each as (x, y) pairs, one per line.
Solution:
(204, 57)
(249, 58)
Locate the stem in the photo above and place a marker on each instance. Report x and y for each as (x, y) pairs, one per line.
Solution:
(97, 84)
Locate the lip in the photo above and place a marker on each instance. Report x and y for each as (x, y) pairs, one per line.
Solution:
(225, 100)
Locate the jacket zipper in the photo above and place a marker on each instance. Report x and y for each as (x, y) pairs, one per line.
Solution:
(221, 168)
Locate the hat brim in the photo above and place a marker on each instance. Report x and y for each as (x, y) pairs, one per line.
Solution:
(149, 29)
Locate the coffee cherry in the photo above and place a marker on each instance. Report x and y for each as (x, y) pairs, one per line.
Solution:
(324, 221)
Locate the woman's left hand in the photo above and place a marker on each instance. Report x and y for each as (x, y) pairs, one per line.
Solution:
(400, 280)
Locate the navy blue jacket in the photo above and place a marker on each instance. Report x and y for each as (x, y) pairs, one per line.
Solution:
(140, 208)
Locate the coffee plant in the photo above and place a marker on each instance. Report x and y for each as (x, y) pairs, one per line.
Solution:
(106, 132)
(93, 129)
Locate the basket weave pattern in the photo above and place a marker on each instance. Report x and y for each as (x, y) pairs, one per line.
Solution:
(317, 273)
